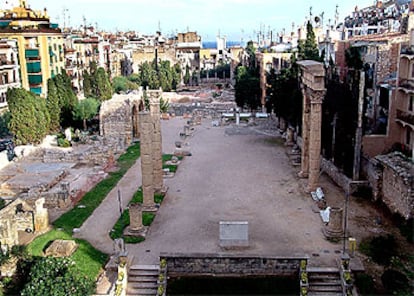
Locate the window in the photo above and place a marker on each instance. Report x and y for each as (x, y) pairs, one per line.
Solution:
(411, 103)
(408, 136)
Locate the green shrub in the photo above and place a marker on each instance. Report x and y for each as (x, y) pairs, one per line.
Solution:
(394, 281)
(379, 248)
(63, 143)
(364, 283)
(57, 276)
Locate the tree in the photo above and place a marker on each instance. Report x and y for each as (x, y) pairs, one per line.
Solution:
(187, 75)
(308, 49)
(52, 104)
(247, 88)
(123, 84)
(66, 96)
(29, 122)
(103, 89)
(85, 110)
(51, 276)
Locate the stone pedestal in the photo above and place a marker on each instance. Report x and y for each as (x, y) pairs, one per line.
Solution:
(41, 217)
(289, 137)
(334, 229)
(146, 129)
(135, 217)
(135, 228)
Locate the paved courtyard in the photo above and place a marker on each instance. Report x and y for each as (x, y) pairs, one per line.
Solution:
(235, 174)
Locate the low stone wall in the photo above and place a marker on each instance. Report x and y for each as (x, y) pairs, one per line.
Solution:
(230, 265)
(392, 181)
(340, 179)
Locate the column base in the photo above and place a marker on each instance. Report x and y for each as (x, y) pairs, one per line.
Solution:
(150, 208)
(142, 232)
(303, 174)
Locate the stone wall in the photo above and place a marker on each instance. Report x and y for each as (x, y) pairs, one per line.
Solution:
(116, 118)
(230, 265)
(16, 216)
(392, 181)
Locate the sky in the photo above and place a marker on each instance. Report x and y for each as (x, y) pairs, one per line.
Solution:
(236, 19)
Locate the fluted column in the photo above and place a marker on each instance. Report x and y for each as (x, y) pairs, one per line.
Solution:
(315, 139)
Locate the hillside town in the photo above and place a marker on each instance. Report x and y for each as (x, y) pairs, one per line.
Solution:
(320, 119)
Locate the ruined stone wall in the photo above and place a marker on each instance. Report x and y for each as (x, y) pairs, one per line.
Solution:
(115, 116)
(148, 55)
(204, 264)
(392, 181)
(329, 168)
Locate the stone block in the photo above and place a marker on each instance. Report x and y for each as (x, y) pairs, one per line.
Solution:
(234, 234)
(61, 248)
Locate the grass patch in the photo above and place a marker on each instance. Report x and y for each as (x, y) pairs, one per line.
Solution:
(168, 157)
(91, 200)
(89, 261)
(171, 167)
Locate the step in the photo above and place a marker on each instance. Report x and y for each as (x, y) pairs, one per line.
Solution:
(310, 293)
(325, 288)
(134, 279)
(140, 272)
(142, 285)
(145, 267)
(325, 283)
(141, 292)
(322, 270)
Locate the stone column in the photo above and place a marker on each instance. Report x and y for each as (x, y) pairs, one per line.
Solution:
(154, 97)
(41, 216)
(135, 217)
(334, 229)
(146, 128)
(304, 172)
(315, 140)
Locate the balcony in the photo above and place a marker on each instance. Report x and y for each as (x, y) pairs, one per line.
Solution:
(35, 79)
(406, 84)
(36, 90)
(405, 117)
(34, 67)
(32, 53)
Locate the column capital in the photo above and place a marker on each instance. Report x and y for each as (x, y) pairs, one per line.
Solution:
(317, 96)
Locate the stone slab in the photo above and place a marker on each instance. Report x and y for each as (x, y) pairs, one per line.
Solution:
(234, 234)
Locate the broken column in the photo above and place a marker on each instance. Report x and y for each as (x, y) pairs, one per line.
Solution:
(313, 90)
(146, 128)
(41, 216)
(154, 97)
(135, 217)
(334, 229)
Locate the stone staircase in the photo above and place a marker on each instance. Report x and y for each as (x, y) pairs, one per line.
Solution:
(142, 280)
(324, 281)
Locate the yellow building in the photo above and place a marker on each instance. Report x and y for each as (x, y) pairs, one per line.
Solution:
(40, 45)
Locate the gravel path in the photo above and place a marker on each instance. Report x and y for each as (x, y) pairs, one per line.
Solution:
(234, 173)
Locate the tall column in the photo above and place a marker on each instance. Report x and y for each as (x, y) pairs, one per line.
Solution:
(304, 172)
(154, 97)
(315, 139)
(146, 128)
